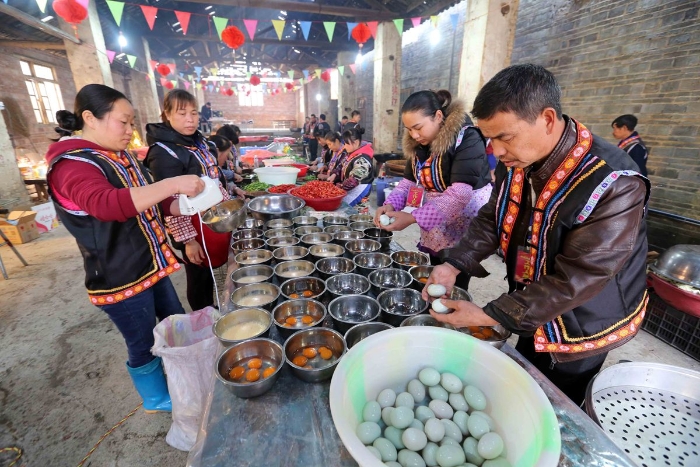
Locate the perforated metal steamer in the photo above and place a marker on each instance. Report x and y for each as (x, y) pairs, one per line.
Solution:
(652, 411)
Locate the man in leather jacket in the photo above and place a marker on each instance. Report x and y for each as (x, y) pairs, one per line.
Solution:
(567, 212)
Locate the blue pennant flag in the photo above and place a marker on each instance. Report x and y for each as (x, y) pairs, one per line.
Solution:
(454, 17)
(351, 26)
(198, 70)
(305, 28)
(306, 73)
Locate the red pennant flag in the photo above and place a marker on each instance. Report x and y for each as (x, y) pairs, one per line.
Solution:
(150, 13)
(352, 67)
(184, 18)
(372, 25)
(154, 64)
(416, 21)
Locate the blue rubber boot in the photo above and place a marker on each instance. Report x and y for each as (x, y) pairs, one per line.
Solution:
(151, 385)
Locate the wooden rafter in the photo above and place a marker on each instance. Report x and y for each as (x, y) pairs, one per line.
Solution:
(36, 23)
(34, 44)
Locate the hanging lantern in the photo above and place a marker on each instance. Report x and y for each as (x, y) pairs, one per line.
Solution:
(361, 34)
(255, 80)
(326, 76)
(229, 92)
(169, 85)
(289, 86)
(163, 69)
(232, 37)
(71, 11)
(277, 91)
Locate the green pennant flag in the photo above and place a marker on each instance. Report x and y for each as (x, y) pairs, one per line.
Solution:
(317, 72)
(132, 60)
(278, 24)
(330, 27)
(220, 24)
(341, 69)
(291, 74)
(174, 83)
(399, 26)
(301, 81)
(248, 75)
(117, 9)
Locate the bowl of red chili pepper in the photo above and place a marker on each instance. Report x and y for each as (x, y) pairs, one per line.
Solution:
(320, 196)
(281, 189)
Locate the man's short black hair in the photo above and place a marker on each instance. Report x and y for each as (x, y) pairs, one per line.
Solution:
(313, 115)
(355, 112)
(322, 116)
(345, 117)
(627, 120)
(208, 103)
(526, 90)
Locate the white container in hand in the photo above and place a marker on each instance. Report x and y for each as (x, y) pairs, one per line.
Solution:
(277, 175)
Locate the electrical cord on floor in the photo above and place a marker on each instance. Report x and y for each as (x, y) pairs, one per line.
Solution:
(213, 276)
(18, 454)
(102, 438)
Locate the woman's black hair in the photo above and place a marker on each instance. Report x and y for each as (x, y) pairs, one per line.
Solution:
(352, 135)
(175, 100)
(333, 136)
(230, 132)
(222, 144)
(428, 102)
(97, 98)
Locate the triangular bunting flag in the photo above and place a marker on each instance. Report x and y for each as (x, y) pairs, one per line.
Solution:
(416, 21)
(110, 55)
(248, 75)
(278, 24)
(351, 26)
(306, 74)
(290, 73)
(117, 9)
(210, 87)
(399, 25)
(198, 70)
(305, 28)
(219, 24)
(318, 71)
(213, 71)
(301, 81)
(434, 20)
(330, 27)
(184, 18)
(372, 25)
(199, 85)
(149, 12)
(352, 67)
(174, 83)
(163, 81)
(132, 60)
(187, 85)
(454, 17)
(341, 69)
(41, 3)
(154, 64)
(251, 25)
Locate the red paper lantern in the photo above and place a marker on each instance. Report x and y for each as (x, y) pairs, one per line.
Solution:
(289, 86)
(229, 92)
(233, 37)
(163, 69)
(71, 11)
(169, 85)
(326, 76)
(361, 33)
(255, 80)
(277, 91)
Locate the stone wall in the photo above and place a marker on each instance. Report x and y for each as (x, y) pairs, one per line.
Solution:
(627, 56)
(282, 106)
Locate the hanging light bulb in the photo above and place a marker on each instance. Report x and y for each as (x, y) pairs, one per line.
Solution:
(434, 37)
(122, 40)
(359, 58)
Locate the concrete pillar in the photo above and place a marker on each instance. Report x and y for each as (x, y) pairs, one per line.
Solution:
(347, 98)
(387, 81)
(149, 105)
(13, 193)
(88, 61)
(489, 31)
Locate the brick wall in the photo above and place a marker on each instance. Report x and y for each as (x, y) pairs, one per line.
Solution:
(364, 88)
(627, 56)
(282, 106)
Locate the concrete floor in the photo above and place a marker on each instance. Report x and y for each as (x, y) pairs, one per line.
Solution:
(62, 377)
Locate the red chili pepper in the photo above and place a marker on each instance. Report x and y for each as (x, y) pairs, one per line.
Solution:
(281, 188)
(318, 190)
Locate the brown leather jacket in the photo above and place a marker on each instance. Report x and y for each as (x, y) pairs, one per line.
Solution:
(597, 260)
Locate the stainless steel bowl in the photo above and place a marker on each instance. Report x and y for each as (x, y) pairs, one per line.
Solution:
(344, 236)
(290, 253)
(362, 331)
(263, 295)
(329, 267)
(460, 294)
(251, 223)
(368, 262)
(335, 220)
(307, 229)
(361, 226)
(347, 284)
(399, 304)
(248, 258)
(425, 320)
(326, 250)
(305, 220)
(498, 339)
(239, 246)
(278, 242)
(389, 278)
(418, 273)
(317, 369)
(382, 236)
(408, 259)
(301, 286)
(364, 245)
(298, 309)
(251, 275)
(279, 224)
(349, 310)
(293, 269)
(361, 218)
(269, 351)
(275, 233)
(226, 216)
(334, 229)
(268, 207)
(249, 320)
(680, 263)
(316, 239)
(244, 234)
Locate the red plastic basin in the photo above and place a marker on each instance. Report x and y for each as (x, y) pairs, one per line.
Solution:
(320, 204)
(677, 298)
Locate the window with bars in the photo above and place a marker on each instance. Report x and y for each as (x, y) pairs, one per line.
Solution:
(248, 97)
(44, 92)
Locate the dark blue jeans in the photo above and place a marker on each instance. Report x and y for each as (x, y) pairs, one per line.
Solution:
(135, 318)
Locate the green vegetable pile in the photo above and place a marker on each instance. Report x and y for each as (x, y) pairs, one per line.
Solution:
(257, 186)
(310, 178)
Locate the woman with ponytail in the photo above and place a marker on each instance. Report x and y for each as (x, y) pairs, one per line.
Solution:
(109, 203)
(447, 175)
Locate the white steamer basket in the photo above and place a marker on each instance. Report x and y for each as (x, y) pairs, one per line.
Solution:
(277, 175)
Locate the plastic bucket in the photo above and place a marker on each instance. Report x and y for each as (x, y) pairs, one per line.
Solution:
(277, 175)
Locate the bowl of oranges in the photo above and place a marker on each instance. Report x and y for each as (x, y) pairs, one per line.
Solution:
(250, 368)
(312, 354)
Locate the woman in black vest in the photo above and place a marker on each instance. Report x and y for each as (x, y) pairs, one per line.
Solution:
(109, 203)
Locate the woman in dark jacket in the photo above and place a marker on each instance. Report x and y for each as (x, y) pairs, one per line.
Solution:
(447, 176)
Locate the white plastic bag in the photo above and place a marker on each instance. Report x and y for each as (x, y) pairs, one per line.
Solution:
(188, 347)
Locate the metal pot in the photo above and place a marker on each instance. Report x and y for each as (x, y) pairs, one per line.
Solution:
(226, 216)
(349, 310)
(680, 263)
(389, 278)
(399, 304)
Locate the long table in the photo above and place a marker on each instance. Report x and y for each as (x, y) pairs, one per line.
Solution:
(291, 425)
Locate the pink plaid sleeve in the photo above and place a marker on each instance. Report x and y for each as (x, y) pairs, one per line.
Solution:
(181, 228)
(449, 205)
(398, 195)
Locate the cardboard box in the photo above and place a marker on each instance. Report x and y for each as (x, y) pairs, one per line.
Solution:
(20, 227)
(46, 218)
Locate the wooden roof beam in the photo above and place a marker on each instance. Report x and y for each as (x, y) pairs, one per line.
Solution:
(29, 20)
(261, 40)
(34, 45)
(315, 7)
